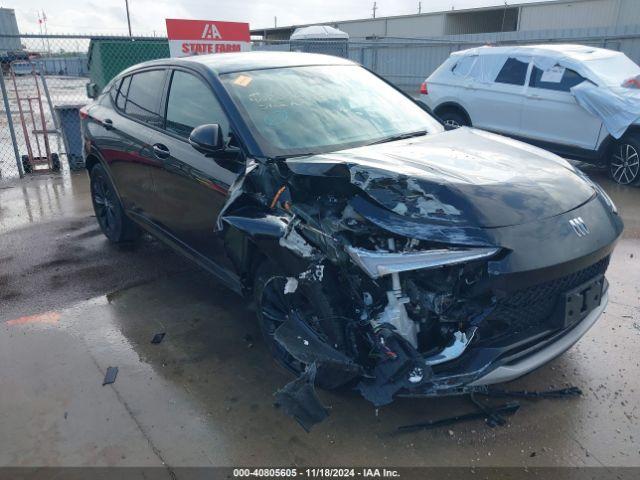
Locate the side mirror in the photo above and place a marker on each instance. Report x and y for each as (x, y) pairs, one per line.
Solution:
(92, 90)
(207, 138)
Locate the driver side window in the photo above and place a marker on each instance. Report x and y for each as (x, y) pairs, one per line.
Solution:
(191, 103)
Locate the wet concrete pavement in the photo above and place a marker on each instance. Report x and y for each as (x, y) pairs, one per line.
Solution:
(71, 305)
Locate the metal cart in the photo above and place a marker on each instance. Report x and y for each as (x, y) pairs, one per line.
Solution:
(29, 102)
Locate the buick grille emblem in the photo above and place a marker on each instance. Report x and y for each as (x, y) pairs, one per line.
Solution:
(579, 227)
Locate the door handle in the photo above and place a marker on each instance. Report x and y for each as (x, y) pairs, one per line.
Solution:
(534, 96)
(107, 123)
(161, 151)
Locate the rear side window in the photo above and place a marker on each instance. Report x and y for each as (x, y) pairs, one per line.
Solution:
(191, 103)
(122, 93)
(568, 80)
(513, 72)
(464, 66)
(143, 96)
(113, 91)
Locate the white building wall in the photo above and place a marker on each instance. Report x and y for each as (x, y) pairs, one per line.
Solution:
(629, 13)
(364, 28)
(416, 27)
(579, 14)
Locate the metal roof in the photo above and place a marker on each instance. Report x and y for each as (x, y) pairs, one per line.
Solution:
(497, 6)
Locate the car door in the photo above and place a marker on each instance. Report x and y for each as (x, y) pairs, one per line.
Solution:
(192, 188)
(125, 145)
(495, 103)
(551, 113)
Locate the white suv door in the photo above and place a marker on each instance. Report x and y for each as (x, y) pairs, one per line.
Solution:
(496, 103)
(551, 113)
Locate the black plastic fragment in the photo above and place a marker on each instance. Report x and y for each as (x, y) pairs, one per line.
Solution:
(491, 417)
(391, 374)
(334, 368)
(157, 338)
(560, 393)
(110, 376)
(299, 400)
(506, 409)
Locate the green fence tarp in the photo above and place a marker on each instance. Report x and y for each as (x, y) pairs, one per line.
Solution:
(108, 57)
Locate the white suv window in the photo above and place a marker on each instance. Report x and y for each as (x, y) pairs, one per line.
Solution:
(514, 72)
(464, 66)
(569, 80)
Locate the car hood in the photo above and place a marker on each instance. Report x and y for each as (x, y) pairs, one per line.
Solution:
(464, 177)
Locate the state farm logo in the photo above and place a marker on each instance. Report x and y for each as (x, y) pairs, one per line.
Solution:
(205, 37)
(211, 32)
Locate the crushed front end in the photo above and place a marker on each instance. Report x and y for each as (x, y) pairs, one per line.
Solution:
(424, 303)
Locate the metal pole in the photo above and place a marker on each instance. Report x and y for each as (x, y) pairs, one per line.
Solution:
(126, 2)
(12, 132)
(45, 87)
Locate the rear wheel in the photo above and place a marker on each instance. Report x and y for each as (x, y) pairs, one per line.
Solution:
(26, 164)
(55, 162)
(113, 222)
(452, 119)
(624, 164)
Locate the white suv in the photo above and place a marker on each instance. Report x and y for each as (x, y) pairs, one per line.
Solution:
(577, 101)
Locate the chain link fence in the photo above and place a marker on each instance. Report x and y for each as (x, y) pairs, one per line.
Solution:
(44, 78)
(44, 86)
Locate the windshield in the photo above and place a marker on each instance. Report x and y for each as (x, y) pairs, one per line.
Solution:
(614, 70)
(316, 109)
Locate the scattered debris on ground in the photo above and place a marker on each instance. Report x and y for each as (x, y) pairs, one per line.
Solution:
(492, 415)
(110, 376)
(157, 338)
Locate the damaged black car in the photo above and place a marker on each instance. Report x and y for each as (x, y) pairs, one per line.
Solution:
(383, 253)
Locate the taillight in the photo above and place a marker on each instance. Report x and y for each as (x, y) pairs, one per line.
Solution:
(423, 89)
(83, 113)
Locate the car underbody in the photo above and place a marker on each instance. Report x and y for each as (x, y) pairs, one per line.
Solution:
(422, 302)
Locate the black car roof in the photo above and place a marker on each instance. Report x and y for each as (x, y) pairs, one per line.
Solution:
(237, 62)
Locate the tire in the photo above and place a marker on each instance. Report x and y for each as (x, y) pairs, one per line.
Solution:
(452, 119)
(26, 164)
(55, 162)
(624, 164)
(272, 304)
(114, 223)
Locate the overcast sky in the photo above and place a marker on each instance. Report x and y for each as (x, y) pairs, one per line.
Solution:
(147, 16)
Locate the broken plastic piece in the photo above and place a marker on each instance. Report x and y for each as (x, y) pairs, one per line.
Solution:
(110, 376)
(457, 347)
(304, 345)
(157, 338)
(560, 393)
(291, 286)
(492, 418)
(298, 399)
(394, 373)
(506, 409)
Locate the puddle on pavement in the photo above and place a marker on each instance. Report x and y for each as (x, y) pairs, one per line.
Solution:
(214, 354)
(42, 197)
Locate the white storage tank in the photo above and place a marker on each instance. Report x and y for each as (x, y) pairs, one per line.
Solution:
(320, 39)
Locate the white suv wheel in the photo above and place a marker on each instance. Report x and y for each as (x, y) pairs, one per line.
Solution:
(625, 164)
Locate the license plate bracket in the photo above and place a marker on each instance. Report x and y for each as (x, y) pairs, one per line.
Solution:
(580, 301)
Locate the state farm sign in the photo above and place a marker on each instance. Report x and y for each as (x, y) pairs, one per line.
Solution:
(202, 37)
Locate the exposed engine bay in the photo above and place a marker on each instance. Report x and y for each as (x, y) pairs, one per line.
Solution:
(409, 280)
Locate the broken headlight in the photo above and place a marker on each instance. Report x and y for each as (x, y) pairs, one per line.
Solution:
(378, 264)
